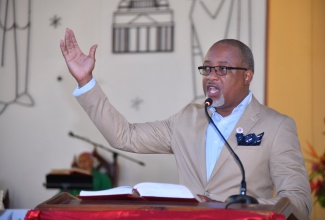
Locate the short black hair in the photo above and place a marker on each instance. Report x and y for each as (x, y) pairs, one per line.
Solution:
(248, 58)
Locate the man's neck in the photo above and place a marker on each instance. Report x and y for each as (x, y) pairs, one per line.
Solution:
(224, 112)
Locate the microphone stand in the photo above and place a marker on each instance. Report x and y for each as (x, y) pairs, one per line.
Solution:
(105, 148)
(242, 197)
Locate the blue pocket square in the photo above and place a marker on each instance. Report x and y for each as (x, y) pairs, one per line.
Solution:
(249, 139)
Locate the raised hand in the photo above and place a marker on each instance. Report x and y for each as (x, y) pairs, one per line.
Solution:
(79, 64)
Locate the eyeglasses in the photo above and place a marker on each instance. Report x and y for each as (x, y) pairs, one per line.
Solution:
(220, 70)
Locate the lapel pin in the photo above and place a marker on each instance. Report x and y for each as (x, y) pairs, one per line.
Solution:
(239, 130)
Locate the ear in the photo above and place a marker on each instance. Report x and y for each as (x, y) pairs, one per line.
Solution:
(248, 77)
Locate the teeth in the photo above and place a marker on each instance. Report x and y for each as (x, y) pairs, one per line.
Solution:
(213, 89)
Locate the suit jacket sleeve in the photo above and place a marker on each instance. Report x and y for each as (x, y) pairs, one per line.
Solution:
(120, 134)
(287, 167)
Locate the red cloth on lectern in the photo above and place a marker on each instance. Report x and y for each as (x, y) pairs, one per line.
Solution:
(152, 214)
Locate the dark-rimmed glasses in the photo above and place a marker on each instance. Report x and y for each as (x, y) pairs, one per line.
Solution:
(220, 70)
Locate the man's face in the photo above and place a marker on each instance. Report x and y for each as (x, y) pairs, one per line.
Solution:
(85, 162)
(229, 90)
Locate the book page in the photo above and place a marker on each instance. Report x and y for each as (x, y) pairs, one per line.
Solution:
(122, 190)
(165, 190)
(70, 171)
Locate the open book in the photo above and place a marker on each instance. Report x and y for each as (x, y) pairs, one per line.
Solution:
(72, 170)
(143, 191)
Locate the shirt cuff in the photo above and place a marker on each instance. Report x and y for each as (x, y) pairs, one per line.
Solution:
(81, 90)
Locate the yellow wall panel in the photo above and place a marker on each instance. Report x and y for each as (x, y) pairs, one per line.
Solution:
(296, 69)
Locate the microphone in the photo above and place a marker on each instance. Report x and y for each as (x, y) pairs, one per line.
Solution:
(242, 197)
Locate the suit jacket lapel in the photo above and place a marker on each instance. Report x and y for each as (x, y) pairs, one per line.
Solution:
(201, 127)
(247, 121)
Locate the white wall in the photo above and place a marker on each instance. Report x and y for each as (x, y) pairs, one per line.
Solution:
(34, 140)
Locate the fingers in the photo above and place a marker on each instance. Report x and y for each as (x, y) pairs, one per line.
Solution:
(64, 43)
(68, 40)
(73, 40)
(202, 198)
(70, 48)
(63, 48)
(205, 198)
(92, 51)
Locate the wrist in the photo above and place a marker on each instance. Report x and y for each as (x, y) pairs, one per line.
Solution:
(84, 81)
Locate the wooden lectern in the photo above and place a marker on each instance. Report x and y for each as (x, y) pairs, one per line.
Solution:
(65, 206)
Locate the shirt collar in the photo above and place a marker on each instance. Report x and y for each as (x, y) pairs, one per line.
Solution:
(240, 108)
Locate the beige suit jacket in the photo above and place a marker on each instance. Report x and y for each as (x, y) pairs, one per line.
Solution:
(276, 167)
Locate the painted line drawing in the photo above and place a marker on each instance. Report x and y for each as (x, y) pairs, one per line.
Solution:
(14, 53)
(143, 26)
(213, 20)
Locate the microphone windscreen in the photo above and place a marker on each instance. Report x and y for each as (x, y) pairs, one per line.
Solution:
(208, 102)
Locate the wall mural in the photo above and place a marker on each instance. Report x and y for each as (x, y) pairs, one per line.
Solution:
(15, 40)
(55, 21)
(219, 19)
(143, 26)
(139, 26)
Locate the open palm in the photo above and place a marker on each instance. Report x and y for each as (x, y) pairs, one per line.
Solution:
(79, 64)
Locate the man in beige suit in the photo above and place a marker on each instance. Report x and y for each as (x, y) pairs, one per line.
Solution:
(274, 169)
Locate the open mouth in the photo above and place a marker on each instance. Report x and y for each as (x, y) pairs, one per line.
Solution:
(212, 90)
